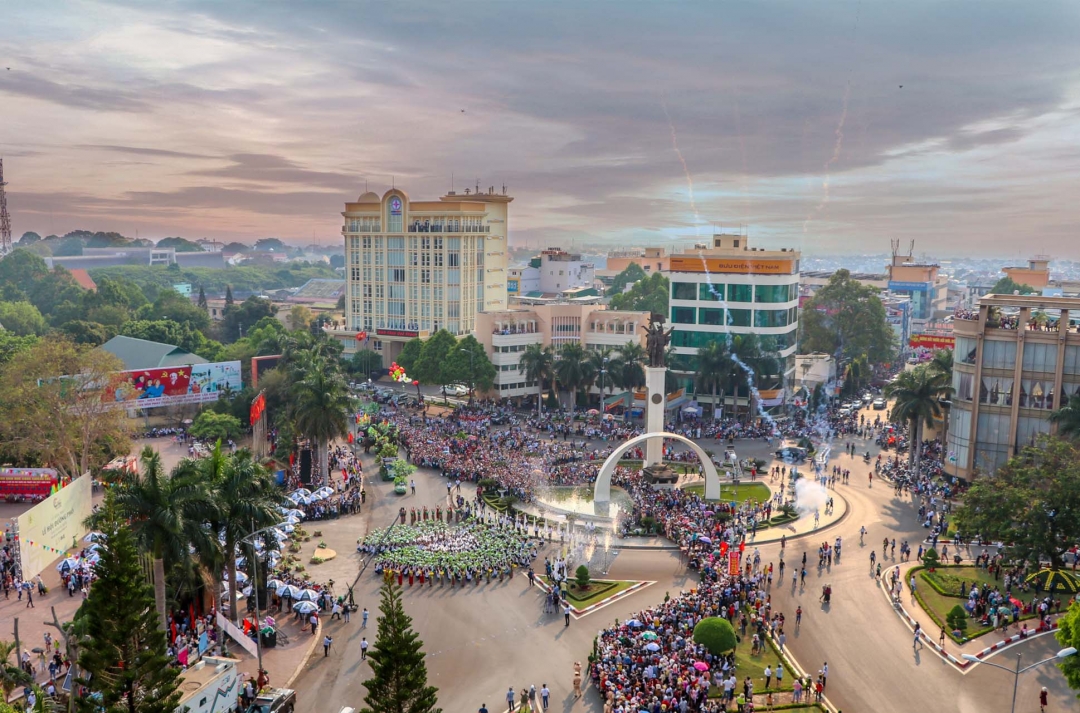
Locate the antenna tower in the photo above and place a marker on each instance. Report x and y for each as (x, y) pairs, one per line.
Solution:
(5, 219)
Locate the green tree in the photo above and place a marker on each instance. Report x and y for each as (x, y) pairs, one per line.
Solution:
(574, 370)
(398, 682)
(957, 618)
(22, 319)
(537, 363)
(81, 331)
(166, 514)
(917, 398)
(271, 245)
(410, 355)
(647, 295)
(1007, 286)
(581, 575)
(21, 266)
(11, 674)
(10, 345)
(1068, 634)
(211, 426)
(716, 635)
(846, 319)
(366, 361)
(714, 365)
(431, 368)
(202, 303)
(469, 364)
(1067, 418)
(942, 363)
(180, 245)
(229, 296)
(29, 238)
(321, 404)
(628, 276)
(170, 304)
(931, 559)
(237, 318)
(124, 652)
(628, 368)
(165, 331)
(300, 317)
(1032, 503)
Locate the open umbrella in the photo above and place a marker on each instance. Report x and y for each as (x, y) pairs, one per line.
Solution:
(307, 595)
(701, 666)
(300, 491)
(634, 623)
(295, 513)
(706, 540)
(649, 636)
(305, 607)
(71, 562)
(593, 412)
(654, 647)
(274, 583)
(1055, 580)
(94, 537)
(288, 591)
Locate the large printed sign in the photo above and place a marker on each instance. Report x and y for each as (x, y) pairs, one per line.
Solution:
(897, 286)
(932, 341)
(197, 383)
(730, 265)
(35, 483)
(53, 525)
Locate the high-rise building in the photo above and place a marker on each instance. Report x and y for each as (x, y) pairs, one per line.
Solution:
(728, 288)
(1017, 359)
(414, 267)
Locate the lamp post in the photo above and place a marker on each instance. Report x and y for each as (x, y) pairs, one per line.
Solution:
(255, 588)
(603, 389)
(1064, 653)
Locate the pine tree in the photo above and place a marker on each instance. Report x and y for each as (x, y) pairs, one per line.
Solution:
(228, 295)
(202, 298)
(399, 674)
(123, 654)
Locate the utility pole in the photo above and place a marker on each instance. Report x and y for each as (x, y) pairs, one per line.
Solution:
(5, 218)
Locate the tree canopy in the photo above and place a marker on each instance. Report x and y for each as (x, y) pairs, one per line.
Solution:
(432, 366)
(1007, 286)
(1032, 503)
(649, 294)
(398, 682)
(628, 276)
(715, 634)
(180, 245)
(846, 319)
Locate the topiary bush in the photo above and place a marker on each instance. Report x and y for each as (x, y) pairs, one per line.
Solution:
(581, 574)
(957, 618)
(931, 559)
(716, 635)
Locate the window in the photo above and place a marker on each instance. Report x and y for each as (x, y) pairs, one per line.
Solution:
(684, 291)
(1029, 429)
(786, 340)
(771, 293)
(965, 350)
(710, 293)
(770, 318)
(683, 315)
(1037, 393)
(996, 390)
(1040, 357)
(1072, 360)
(999, 355)
(963, 385)
(740, 293)
(714, 317)
(959, 435)
(739, 317)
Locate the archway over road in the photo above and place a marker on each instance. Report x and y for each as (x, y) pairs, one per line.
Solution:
(602, 491)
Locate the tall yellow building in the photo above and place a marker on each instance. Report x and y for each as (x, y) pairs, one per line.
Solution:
(414, 267)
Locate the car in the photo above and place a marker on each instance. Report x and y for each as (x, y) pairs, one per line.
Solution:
(274, 700)
(792, 454)
(879, 404)
(456, 390)
(867, 398)
(845, 411)
(366, 386)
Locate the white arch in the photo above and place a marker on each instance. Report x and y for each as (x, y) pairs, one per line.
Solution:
(602, 493)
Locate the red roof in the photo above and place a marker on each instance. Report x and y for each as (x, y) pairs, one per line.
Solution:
(83, 278)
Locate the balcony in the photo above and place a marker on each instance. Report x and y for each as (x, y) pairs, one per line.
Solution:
(443, 228)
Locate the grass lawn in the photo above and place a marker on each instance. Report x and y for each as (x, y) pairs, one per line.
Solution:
(756, 492)
(949, 579)
(600, 589)
(754, 666)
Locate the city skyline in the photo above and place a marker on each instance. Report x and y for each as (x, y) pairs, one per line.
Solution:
(828, 129)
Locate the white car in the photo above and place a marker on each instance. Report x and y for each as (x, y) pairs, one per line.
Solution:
(879, 404)
(456, 390)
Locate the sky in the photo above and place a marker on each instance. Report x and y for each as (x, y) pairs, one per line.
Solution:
(830, 127)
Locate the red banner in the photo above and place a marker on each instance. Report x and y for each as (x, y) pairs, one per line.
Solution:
(932, 341)
(145, 384)
(733, 563)
(258, 407)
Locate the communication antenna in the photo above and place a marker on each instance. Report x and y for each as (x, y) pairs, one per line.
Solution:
(5, 218)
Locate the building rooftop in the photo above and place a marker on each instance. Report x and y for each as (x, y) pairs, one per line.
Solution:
(321, 289)
(1036, 301)
(144, 354)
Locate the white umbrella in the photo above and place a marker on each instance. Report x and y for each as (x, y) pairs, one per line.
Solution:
(240, 577)
(94, 547)
(295, 513)
(292, 520)
(324, 491)
(286, 528)
(288, 591)
(305, 607)
(301, 491)
(92, 558)
(307, 595)
(71, 562)
(302, 499)
(316, 497)
(94, 537)
(274, 558)
(274, 583)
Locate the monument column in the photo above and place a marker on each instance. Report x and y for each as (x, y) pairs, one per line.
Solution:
(654, 413)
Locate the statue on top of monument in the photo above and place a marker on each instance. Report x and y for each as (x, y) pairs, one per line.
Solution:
(656, 340)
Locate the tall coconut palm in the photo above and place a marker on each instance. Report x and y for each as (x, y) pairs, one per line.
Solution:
(166, 514)
(917, 395)
(628, 368)
(714, 365)
(942, 362)
(574, 371)
(1067, 417)
(601, 360)
(245, 499)
(321, 404)
(538, 364)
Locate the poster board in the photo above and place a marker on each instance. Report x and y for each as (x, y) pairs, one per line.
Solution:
(48, 529)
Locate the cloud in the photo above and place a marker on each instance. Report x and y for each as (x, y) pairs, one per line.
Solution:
(142, 151)
(267, 168)
(71, 95)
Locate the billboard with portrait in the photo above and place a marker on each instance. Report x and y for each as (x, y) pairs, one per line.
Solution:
(168, 386)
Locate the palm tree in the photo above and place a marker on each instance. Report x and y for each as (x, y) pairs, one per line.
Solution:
(537, 364)
(165, 513)
(1067, 417)
(917, 394)
(942, 362)
(246, 499)
(628, 368)
(601, 360)
(574, 371)
(11, 675)
(321, 405)
(714, 365)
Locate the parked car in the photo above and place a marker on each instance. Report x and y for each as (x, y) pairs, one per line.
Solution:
(274, 700)
(456, 390)
(879, 404)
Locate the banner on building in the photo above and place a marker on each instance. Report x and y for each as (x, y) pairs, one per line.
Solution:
(32, 483)
(184, 384)
(932, 341)
(53, 526)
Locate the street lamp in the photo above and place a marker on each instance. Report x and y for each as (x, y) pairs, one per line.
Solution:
(603, 390)
(1064, 653)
